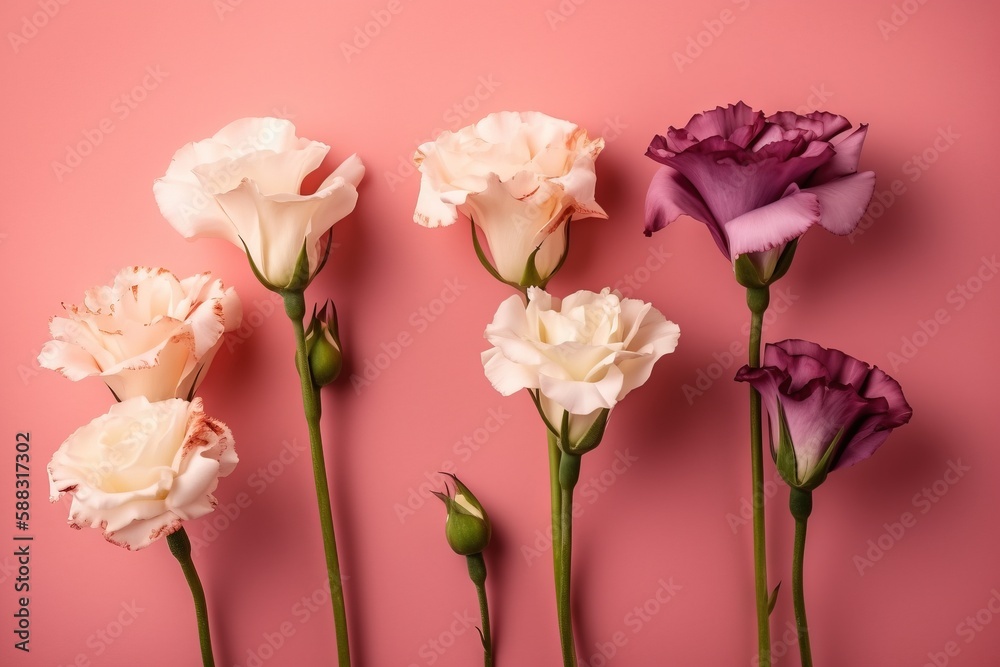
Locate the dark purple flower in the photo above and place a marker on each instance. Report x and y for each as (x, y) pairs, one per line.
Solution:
(757, 182)
(826, 410)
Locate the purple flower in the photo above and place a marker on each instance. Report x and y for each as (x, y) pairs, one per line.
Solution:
(827, 409)
(757, 182)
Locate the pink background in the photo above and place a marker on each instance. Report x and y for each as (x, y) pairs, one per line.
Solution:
(128, 84)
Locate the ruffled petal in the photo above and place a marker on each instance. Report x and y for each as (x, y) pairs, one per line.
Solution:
(773, 225)
(843, 202)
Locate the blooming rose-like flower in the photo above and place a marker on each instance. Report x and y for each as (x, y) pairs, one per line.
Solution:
(521, 177)
(577, 356)
(147, 334)
(244, 185)
(756, 182)
(826, 410)
(141, 469)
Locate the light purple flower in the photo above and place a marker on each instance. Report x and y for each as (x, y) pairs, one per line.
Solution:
(758, 183)
(826, 410)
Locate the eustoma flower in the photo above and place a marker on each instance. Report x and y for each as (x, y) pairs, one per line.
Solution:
(578, 356)
(141, 469)
(244, 185)
(760, 182)
(148, 334)
(827, 410)
(521, 177)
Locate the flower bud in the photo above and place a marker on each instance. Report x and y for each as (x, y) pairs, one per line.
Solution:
(323, 345)
(467, 526)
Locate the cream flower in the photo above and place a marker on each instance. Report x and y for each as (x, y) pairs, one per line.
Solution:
(521, 177)
(141, 469)
(148, 334)
(578, 357)
(244, 185)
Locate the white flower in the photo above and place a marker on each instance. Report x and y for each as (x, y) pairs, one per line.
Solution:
(244, 185)
(141, 469)
(521, 177)
(148, 334)
(578, 357)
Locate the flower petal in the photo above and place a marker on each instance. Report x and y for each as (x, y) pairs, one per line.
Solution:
(774, 224)
(848, 145)
(670, 196)
(843, 202)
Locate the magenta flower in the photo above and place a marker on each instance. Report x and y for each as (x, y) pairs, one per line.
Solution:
(758, 183)
(827, 410)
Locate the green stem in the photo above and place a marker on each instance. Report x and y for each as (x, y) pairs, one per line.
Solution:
(569, 473)
(477, 572)
(800, 503)
(180, 547)
(757, 300)
(296, 309)
(555, 455)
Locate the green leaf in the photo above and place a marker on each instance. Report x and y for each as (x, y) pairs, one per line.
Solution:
(773, 599)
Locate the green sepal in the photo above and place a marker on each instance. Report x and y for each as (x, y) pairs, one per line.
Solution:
(748, 276)
(824, 463)
(538, 404)
(530, 277)
(785, 261)
(300, 274)
(482, 256)
(785, 459)
(746, 272)
(253, 267)
(592, 438)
